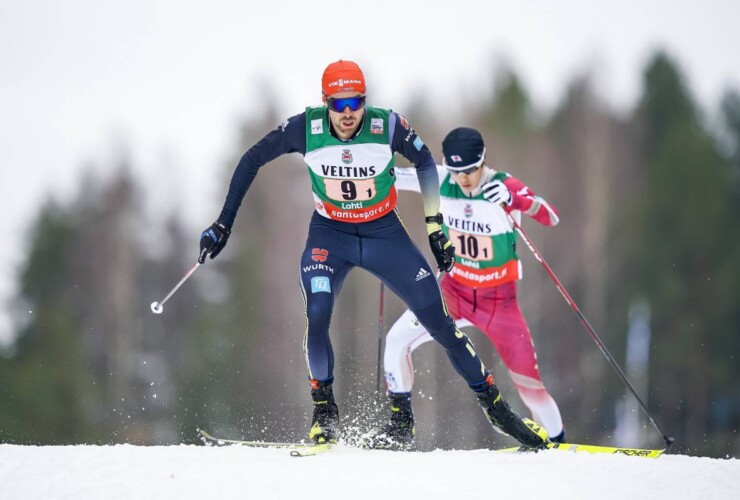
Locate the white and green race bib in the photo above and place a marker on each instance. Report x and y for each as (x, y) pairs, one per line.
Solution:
(352, 181)
(484, 242)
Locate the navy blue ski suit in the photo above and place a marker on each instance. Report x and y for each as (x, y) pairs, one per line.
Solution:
(381, 246)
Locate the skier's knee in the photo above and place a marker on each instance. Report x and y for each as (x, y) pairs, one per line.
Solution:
(318, 317)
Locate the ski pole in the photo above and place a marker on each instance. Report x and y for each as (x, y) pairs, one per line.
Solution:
(158, 307)
(380, 341)
(668, 440)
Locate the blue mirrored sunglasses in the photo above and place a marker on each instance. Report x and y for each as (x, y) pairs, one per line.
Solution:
(339, 105)
(466, 171)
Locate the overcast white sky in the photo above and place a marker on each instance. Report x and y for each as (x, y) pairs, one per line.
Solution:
(170, 79)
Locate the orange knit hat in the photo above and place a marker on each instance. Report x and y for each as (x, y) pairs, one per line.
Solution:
(342, 76)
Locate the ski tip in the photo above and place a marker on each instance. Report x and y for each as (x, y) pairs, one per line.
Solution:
(310, 451)
(208, 440)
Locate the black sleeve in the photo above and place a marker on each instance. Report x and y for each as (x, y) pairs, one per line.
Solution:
(289, 137)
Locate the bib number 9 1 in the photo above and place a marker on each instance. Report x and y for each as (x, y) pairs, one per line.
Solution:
(350, 190)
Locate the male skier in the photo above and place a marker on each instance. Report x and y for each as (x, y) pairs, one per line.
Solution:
(348, 147)
(481, 288)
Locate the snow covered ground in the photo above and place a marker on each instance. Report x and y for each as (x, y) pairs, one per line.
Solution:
(124, 471)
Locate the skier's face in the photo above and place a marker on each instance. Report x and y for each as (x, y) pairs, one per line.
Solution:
(468, 182)
(345, 123)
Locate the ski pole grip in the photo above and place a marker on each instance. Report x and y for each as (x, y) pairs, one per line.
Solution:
(202, 256)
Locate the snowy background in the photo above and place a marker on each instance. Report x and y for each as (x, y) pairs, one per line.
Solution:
(92, 472)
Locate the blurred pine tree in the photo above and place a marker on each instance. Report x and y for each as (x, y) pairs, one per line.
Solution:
(680, 248)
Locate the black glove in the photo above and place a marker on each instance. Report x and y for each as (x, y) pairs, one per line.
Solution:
(442, 248)
(213, 240)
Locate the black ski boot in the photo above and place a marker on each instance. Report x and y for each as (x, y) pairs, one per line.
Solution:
(507, 422)
(398, 432)
(325, 420)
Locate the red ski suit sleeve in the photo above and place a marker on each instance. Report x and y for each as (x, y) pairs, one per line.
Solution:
(526, 201)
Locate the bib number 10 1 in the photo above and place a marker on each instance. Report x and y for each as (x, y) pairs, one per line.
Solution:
(471, 246)
(350, 190)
